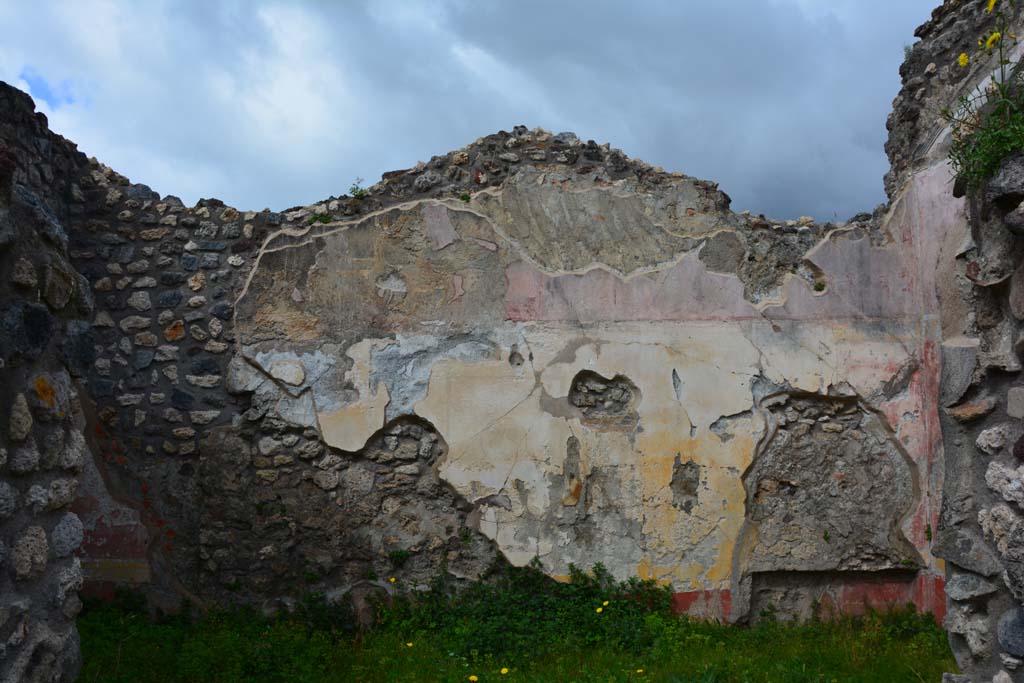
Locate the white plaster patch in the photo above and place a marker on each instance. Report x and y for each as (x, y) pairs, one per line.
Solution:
(288, 371)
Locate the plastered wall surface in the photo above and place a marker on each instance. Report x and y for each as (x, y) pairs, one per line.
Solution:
(455, 312)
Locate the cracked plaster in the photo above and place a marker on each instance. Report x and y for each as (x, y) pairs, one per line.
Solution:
(572, 276)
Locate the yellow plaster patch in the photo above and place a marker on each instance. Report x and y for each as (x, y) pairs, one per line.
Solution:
(507, 430)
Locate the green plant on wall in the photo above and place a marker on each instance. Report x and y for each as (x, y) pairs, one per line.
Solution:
(988, 124)
(398, 558)
(356, 189)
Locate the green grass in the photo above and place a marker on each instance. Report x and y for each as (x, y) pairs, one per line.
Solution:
(540, 631)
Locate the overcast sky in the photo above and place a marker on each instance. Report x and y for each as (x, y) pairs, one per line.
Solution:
(276, 104)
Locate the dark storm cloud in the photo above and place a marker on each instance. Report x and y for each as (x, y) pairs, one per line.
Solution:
(783, 102)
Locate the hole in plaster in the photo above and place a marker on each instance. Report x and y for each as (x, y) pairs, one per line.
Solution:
(800, 596)
(831, 484)
(723, 426)
(605, 403)
(515, 359)
(574, 487)
(685, 482)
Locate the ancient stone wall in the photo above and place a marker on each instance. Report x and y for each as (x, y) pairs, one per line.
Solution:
(601, 346)
(45, 345)
(977, 256)
(530, 349)
(533, 347)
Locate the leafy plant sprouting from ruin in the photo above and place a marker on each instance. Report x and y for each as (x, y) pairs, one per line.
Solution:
(988, 124)
(398, 558)
(356, 189)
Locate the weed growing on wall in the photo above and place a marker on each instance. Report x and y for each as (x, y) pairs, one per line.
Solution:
(988, 124)
(356, 189)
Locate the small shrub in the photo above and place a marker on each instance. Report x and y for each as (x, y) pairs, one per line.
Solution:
(977, 155)
(398, 558)
(988, 125)
(356, 189)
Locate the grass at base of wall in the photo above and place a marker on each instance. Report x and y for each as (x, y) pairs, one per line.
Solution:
(531, 630)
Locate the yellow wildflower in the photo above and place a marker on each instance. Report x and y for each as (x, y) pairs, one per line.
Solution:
(408, 644)
(605, 603)
(473, 678)
(639, 671)
(963, 60)
(504, 670)
(991, 6)
(992, 40)
(392, 579)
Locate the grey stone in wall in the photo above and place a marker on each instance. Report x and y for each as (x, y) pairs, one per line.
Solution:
(829, 489)
(46, 303)
(981, 529)
(282, 515)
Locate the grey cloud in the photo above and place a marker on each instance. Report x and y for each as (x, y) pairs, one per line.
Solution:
(275, 104)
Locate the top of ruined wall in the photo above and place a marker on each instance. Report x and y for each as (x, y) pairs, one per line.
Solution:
(45, 163)
(932, 81)
(519, 161)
